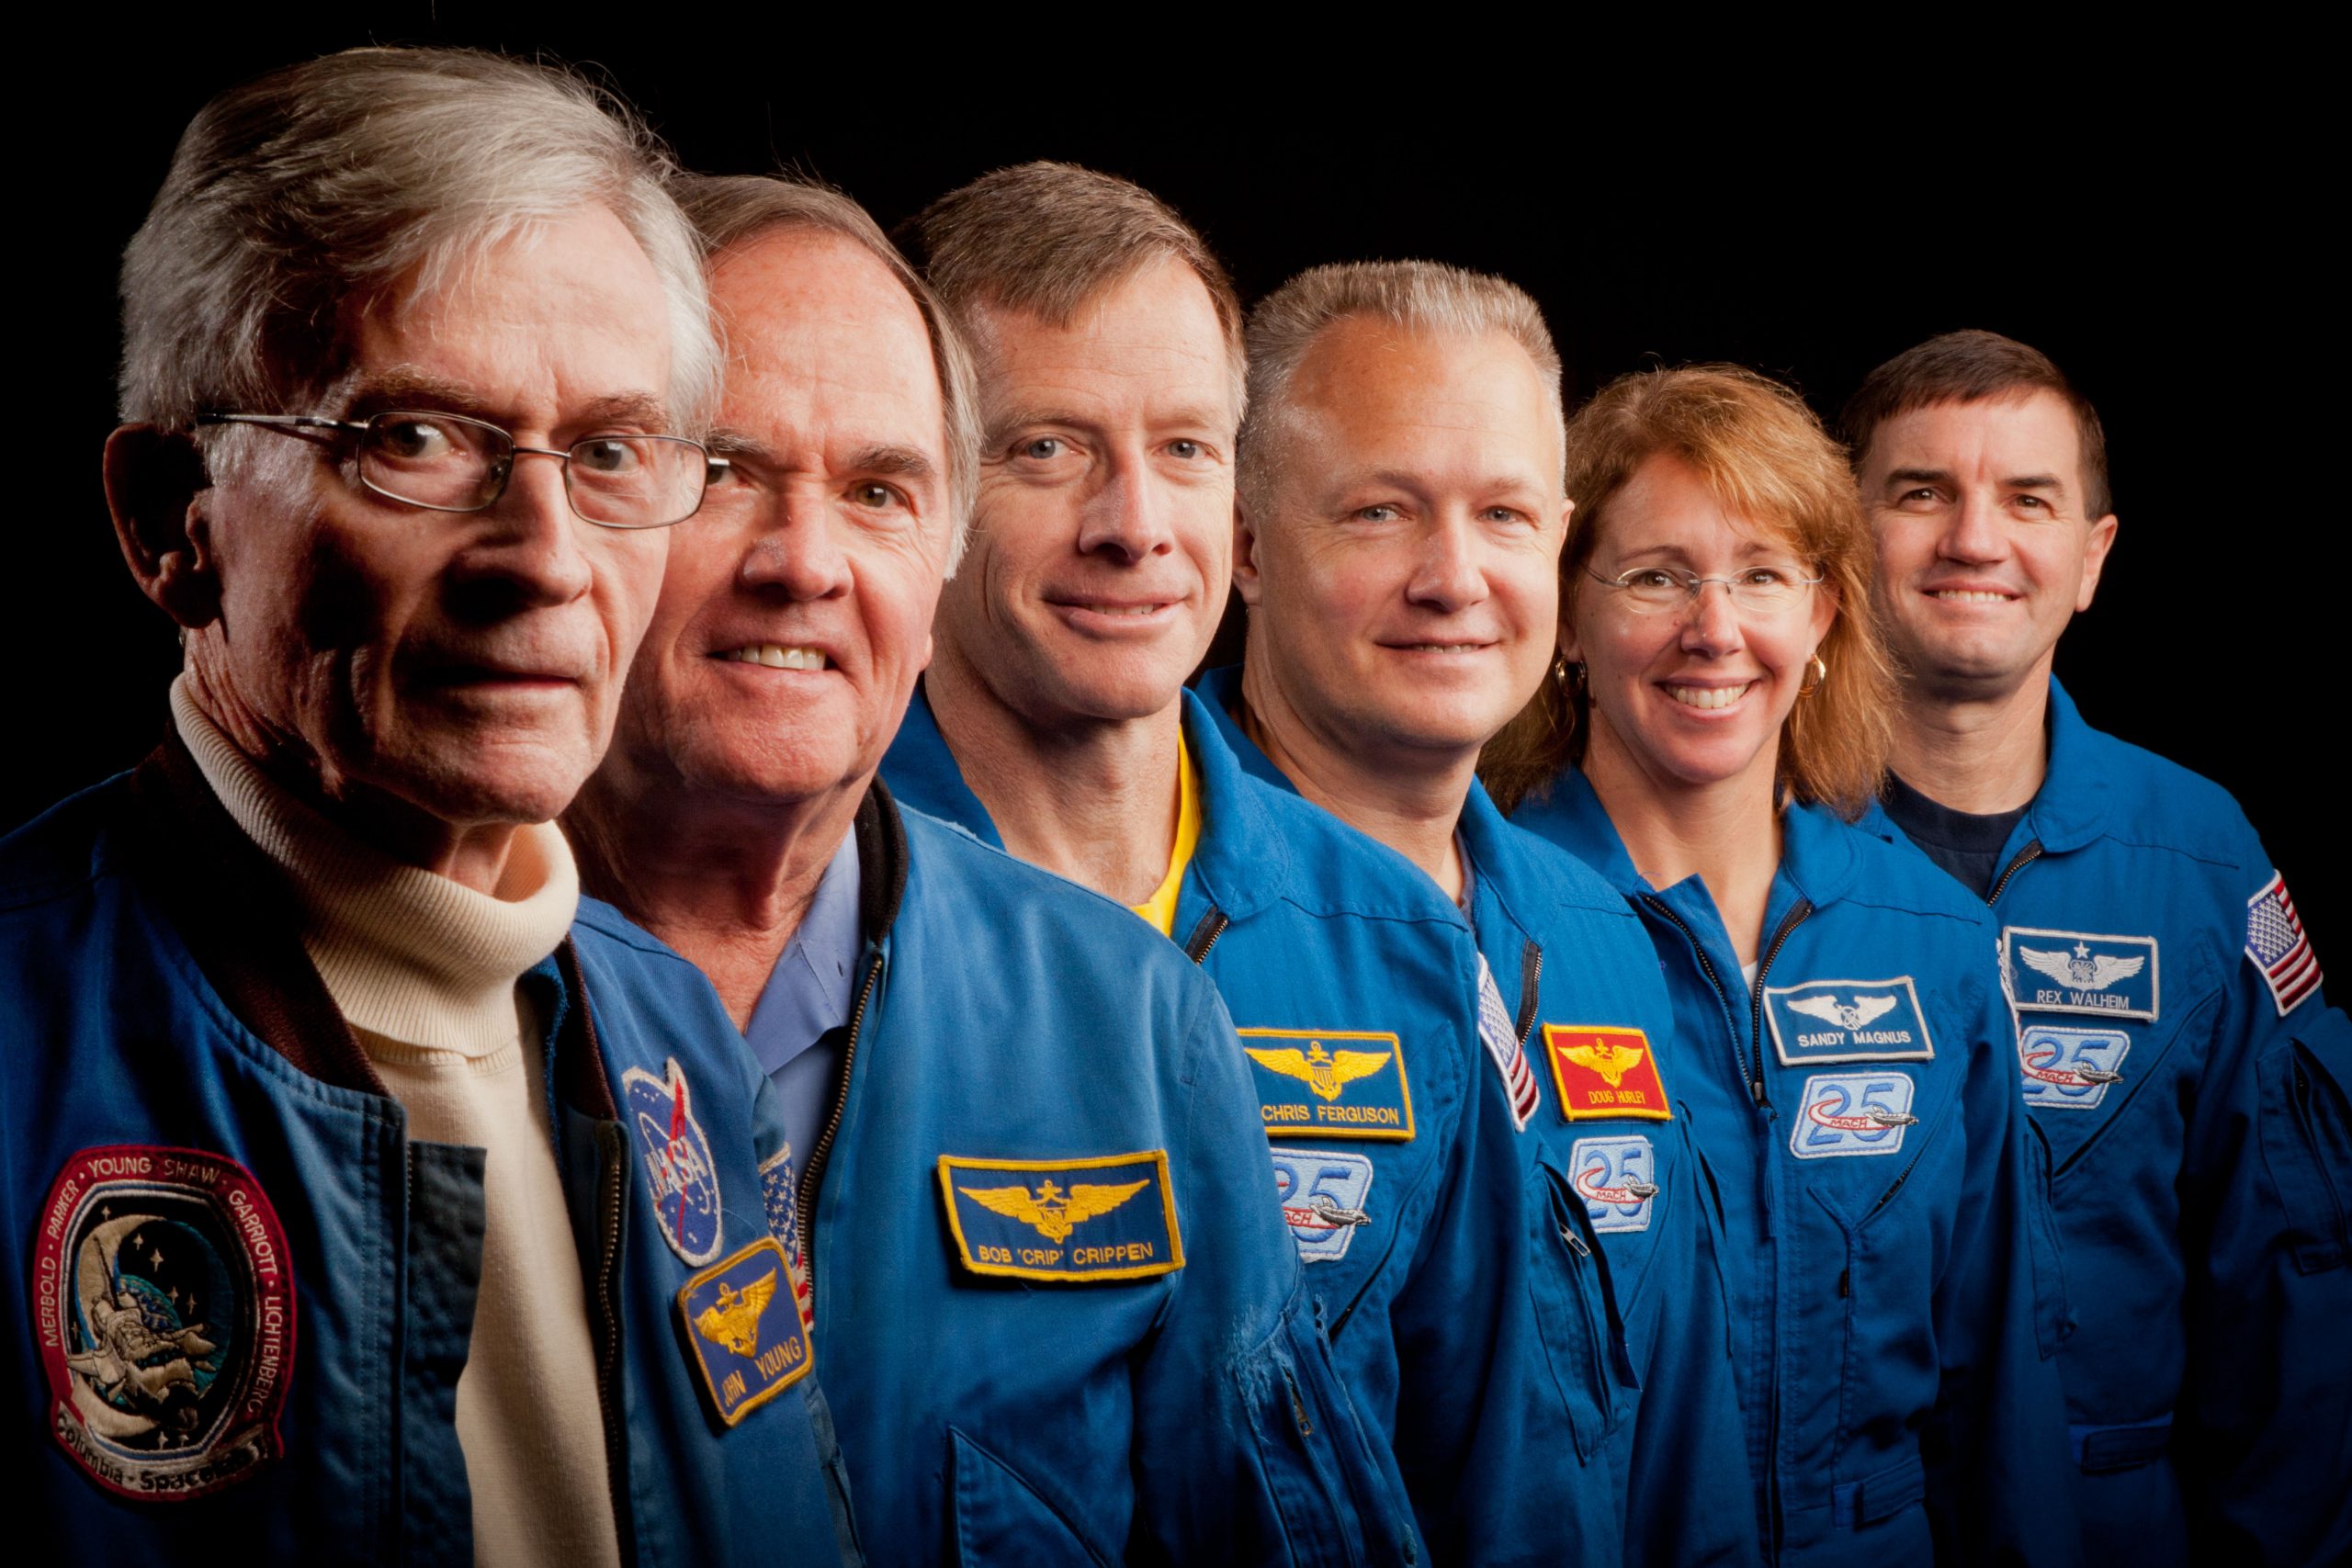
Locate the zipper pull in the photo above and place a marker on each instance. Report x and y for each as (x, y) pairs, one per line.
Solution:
(1575, 1243)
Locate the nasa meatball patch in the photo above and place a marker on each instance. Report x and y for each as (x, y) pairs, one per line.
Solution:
(163, 1307)
(1848, 1020)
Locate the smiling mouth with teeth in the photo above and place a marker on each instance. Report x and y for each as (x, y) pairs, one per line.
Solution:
(1969, 596)
(775, 657)
(1708, 696)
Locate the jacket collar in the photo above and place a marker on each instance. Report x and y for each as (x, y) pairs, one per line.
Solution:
(1816, 849)
(2071, 808)
(1243, 859)
(882, 858)
(929, 778)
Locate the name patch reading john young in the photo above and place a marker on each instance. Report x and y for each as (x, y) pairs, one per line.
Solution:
(164, 1310)
(1088, 1221)
(749, 1345)
(2113, 977)
(1848, 1020)
(1330, 1083)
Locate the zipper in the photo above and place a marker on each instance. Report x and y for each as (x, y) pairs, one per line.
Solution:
(2026, 856)
(611, 1162)
(1205, 935)
(1531, 988)
(1917, 1154)
(1788, 922)
(811, 1178)
(1706, 968)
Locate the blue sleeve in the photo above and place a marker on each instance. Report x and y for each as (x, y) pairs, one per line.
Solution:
(1999, 1474)
(2265, 1428)
(1248, 1449)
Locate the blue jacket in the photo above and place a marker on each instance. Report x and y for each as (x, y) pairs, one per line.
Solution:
(1058, 1319)
(1344, 969)
(1658, 1461)
(242, 1297)
(2201, 1173)
(1894, 1281)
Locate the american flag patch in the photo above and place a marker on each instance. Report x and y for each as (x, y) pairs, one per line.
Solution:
(2275, 941)
(1502, 1044)
(778, 1195)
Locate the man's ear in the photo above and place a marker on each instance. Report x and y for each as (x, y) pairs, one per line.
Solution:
(1246, 580)
(2100, 540)
(155, 480)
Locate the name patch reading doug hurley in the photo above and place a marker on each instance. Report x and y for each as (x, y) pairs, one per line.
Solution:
(1848, 1020)
(2114, 977)
(748, 1347)
(1330, 1083)
(1089, 1221)
(163, 1303)
(1604, 1072)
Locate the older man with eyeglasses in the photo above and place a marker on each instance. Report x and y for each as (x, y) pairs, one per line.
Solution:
(368, 1204)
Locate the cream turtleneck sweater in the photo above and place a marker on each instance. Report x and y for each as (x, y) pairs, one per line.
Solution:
(425, 972)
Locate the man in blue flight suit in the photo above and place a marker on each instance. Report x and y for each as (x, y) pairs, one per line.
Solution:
(355, 1210)
(1057, 1317)
(1397, 545)
(1053, 723)
(2174, 1050)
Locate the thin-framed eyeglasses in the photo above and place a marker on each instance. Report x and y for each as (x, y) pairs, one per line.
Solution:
(1761, 590)
(447, 462)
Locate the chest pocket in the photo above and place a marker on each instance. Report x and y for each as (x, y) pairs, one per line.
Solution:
(1577, 1313)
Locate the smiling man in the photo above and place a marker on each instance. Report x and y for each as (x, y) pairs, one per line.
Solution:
(1398, 547)
(1058, 1320)
(354, 1197)
(2186, 1075)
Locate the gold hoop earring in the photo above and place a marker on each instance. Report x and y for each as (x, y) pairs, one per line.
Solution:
(1820, 674)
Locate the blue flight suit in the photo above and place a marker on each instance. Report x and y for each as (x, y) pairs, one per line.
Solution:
(2200, 1173)
(1058, 1320)
(1344, 969)
(1895, 1281)
(1659, 1465)
(242, 1296)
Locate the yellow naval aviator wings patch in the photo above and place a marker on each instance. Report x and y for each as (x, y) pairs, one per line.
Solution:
(1330, 1083)
(746, 1352)
(1088, 1221)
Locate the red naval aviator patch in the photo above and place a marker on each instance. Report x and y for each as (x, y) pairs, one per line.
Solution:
(164, 1304)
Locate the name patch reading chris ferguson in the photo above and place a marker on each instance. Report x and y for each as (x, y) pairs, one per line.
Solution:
(1086, 1220)
(1330, 1083)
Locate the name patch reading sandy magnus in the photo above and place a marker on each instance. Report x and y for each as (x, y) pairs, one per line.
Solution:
(164, 1308)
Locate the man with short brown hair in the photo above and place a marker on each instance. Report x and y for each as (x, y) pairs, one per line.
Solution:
(2186, 1076)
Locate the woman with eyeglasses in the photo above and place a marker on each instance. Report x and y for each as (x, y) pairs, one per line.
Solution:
(1719, 717)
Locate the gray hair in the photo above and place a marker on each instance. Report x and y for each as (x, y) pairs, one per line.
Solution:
(1418, 296)
(727, 210)
(1045, 238)
(340, 178)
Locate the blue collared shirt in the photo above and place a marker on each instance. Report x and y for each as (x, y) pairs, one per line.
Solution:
(807, 996)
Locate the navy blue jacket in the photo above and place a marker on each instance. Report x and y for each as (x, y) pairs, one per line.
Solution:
(2202, 1160)
(1621, 1233)
(243, 1296)
(1058, 1319)
(1894, 1281)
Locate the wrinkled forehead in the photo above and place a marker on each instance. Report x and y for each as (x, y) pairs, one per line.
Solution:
(1458, 408)
(1150, 343)
(819, 329)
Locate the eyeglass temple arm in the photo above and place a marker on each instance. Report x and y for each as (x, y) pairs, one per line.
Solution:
(289, 421)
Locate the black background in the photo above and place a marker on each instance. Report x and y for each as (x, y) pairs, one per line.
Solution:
(2158, 233)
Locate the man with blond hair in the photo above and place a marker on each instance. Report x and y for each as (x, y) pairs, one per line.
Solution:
(1054, 722)
(371, 1207)
(2180, 1065)
(1058, 1318)
(1397, 545)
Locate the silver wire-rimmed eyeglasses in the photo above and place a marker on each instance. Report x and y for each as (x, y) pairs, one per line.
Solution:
(448, 462)
(1758, 590)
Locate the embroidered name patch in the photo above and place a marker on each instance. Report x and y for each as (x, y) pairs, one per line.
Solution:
(163, 1307)
(2071, 1069)
(1322, 1193)
(678, 1168)
(1847, 1021)
(1604, 1072)
(2078, 972)
(748, 1342)
(1616, 1177)
(1851, 1113)
(2276, 944)
(1084, 1220)
(1331, 1083)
